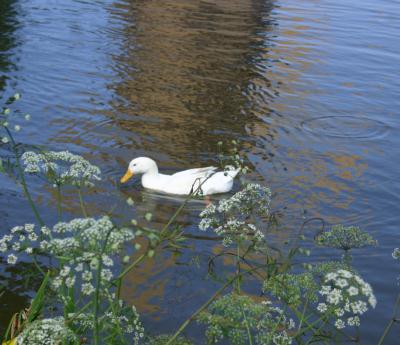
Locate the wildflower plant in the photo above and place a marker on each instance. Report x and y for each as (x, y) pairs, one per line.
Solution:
(292, 289)
(51, 331)
(241, 320)
(345, 238)
(345, 297)
(61, 168)
(90, 256)
(235, 219)
(85, 250)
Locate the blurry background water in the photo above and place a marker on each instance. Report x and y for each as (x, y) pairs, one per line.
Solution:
(311, 89)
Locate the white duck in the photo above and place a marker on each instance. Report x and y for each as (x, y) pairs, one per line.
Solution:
(202, 181)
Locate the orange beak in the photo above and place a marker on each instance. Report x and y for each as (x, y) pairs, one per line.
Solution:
(127, 176)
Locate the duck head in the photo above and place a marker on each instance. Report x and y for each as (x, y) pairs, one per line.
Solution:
(140, 165)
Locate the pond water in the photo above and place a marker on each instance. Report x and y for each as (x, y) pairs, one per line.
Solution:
(310, 88)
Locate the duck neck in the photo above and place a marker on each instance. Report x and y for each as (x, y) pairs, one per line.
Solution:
(152, 170)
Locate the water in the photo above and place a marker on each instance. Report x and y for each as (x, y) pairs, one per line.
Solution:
(309, 87)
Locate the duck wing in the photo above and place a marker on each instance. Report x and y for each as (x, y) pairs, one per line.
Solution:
(196, 173)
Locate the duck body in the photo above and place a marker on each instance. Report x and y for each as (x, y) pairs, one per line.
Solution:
(203, 181)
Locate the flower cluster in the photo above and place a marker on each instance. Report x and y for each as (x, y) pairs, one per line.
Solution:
(346, 297)
(81, 245)
(20, 238)
(230, 218)
(47, 332)
(233, 317)
(61, 167)
(121, 320)
(292, 288)
(345, 237)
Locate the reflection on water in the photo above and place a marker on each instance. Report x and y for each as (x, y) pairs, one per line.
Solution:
(310, 87)
(9, 22)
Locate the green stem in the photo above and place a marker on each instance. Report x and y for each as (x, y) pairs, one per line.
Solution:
(133, 264)
(59, 200)
(79, 312)
(391, 322)
(198, 311)
(96, 329)
(23, 181)
(82, 204)
(246, 322)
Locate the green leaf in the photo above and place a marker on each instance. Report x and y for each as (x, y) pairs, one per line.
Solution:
(38, 301)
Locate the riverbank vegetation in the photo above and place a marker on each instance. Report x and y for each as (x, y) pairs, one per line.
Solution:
(83, 263)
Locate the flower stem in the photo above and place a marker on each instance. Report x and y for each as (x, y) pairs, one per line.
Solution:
(391, 322)
(59, 197)
(82, 204)
(198, 311)
(23, 181)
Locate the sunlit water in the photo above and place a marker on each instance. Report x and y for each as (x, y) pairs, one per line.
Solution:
(309, 87)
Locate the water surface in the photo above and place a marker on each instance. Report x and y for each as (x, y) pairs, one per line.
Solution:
(309, 87)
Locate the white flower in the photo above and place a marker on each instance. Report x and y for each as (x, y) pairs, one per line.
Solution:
(339, 324)
(322, 307)
(372, 301)
(352, 290)
(29, 227)
(44, 245)
(16, 246)
(334, 297)
(87, 275)
(106, 274)
(45, 230)
(65, 271)
(339, 312)
(32, 236)
(61, 167)
(12, 259)
(16, 229)
(341, 282)
(29, 250)
(359, 307)
(3, 247)
(70, 281)
(107, 261)
(353, 321)
(345, 273)
(94, 263)
(87, 289)
(79, 267)
(331, 276)
(57, 281)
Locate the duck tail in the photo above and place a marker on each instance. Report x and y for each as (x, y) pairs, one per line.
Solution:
(231, 171)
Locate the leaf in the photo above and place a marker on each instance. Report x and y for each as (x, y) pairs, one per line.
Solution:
(38, 301)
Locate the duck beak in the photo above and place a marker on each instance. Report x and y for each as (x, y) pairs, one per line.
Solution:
(127, 176)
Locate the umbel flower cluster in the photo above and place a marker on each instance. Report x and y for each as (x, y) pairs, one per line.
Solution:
(345, 237)
(61, 167)
(47, 331)
(234, 218)
(234, 316)
(346, 297)
(121, 318)
(80, 245)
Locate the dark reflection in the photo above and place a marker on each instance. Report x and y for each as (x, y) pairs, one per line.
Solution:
(185, 71)
(16, 284)
(8, 24)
